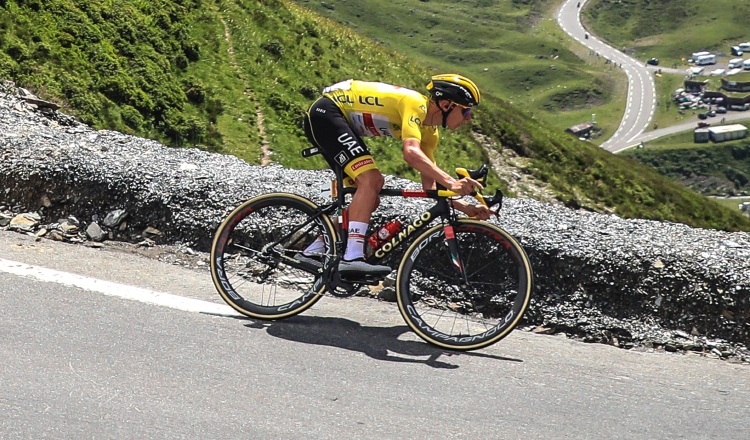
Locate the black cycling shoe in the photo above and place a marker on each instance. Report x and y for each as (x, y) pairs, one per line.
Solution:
(314, 262)
(360, 267)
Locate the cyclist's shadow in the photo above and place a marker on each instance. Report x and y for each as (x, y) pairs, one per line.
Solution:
(375, 342)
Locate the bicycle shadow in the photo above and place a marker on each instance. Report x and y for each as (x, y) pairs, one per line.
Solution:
(379, 343)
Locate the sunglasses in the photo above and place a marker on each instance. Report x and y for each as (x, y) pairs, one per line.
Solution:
(465, 111)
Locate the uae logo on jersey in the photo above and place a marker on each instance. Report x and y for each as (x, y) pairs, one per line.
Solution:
(342, 158)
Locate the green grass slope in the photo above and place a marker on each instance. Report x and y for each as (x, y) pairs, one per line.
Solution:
(122, 66)
(513, 49)
(231, 75)
(669, 29)
(721, 169)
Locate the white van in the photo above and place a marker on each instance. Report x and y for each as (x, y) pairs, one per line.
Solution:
(705, 59)
(696, 55)
(737, 62)
(745, 47)
(746, 64)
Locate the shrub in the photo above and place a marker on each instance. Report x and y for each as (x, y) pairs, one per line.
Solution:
(132, 117)
(309, 91)
(195, 91)
(274, 48)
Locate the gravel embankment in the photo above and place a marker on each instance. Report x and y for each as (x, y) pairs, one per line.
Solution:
(631, 283)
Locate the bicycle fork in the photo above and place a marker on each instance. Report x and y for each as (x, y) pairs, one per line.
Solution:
(450, 238)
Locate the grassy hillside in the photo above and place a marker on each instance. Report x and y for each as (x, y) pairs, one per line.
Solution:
(91, 55)
(513, 49)
(669, 29)
(714, 169)
(233, 75)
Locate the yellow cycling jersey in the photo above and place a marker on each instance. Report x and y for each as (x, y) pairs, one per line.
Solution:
(379, 109)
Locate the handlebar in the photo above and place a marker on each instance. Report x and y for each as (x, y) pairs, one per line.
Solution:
(480, 175)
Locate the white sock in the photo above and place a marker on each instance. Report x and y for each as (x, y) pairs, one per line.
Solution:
(355, 243)
(316, 248)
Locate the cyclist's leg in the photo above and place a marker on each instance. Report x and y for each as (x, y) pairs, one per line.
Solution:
(367, 198)
(364, 202)
(327, 128)
(321, 123)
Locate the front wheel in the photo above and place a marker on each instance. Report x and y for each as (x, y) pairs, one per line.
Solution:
(464, 310)
(255, 262)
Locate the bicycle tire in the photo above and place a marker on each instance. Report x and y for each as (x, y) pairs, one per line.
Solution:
(261, 280)
(440, 310)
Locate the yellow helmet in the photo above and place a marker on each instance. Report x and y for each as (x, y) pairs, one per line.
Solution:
(454, 87)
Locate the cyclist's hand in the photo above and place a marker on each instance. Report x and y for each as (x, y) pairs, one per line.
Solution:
(480, 212)
(465, 186)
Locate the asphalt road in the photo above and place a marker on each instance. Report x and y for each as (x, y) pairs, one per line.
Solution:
(100, 344)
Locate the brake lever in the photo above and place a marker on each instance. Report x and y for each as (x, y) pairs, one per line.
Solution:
(480, 175)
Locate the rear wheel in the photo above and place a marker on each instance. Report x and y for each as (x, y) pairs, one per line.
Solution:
(253, 256)
(447, 310)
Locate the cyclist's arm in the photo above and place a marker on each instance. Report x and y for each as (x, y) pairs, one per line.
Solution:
(480, 212)
(429, 183)
(431, 173)
(415, 157)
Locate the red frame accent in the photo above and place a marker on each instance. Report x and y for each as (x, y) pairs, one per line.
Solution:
(413, 193)
(449, 232)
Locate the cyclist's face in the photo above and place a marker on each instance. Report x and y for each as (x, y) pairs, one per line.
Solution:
(458, 116)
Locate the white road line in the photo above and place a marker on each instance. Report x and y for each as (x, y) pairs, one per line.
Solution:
(115, 289)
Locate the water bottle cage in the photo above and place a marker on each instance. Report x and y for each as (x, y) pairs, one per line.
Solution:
(384, 234)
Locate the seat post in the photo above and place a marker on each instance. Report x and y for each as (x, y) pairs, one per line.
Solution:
(340, 196)
(342, 218)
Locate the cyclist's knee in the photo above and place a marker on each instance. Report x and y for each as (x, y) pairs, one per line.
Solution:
(371, 179)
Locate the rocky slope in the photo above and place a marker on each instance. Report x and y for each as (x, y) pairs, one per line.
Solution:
(630, 283)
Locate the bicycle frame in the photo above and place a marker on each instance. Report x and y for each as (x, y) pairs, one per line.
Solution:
(259, 268)
(441, 210)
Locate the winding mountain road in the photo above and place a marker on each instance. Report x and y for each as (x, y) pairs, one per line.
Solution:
(641, 97)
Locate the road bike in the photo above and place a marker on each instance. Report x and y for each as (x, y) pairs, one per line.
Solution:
(461, 284)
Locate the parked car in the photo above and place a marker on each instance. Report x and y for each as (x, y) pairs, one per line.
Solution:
(711, 113)
(702, 116)
(721, 109)
(703, 124)
(653, 61)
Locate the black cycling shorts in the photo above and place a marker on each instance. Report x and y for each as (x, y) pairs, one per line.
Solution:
(327, 128)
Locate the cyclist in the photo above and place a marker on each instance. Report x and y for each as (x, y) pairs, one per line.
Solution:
(353, 109)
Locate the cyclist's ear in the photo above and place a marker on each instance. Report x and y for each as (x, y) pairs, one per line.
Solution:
(444, 104)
